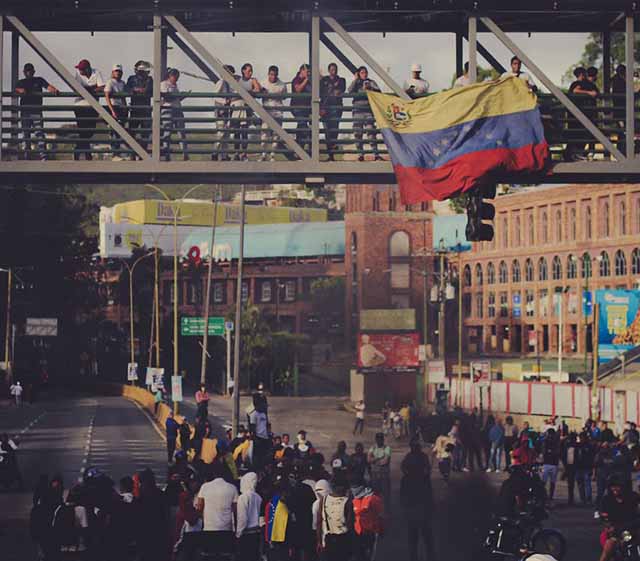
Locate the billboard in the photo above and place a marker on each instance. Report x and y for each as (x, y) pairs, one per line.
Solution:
(388, 320)
(200, 213)
(481, 373)
(618, 322)
(384, 352)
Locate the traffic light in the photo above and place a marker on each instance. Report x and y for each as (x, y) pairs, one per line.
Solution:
(478, 211)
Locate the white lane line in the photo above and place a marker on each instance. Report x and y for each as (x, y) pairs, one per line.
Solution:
(30, 425)
(151, 420)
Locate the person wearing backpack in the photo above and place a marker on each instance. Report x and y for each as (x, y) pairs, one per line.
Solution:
(335, 524)
(70, 523)
(368, 510)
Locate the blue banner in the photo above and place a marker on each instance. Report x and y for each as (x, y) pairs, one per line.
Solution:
(517, 310)
(618, 322)
(587, 303)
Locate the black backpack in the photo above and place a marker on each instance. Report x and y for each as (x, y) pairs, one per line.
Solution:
(64, 525)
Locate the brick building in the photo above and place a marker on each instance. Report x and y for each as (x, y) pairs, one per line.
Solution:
(551, 245)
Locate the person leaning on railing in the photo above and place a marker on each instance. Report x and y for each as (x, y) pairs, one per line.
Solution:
(30, 88)
(275, 105)
(171, 115)
(242, 115)
(362, 115)
(301, 104)
(86, 116)
(117, 105)
(140, 86)
(332, 88)
(222, 112)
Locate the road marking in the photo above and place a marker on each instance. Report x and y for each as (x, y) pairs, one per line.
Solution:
(30, 425)
(151, 420)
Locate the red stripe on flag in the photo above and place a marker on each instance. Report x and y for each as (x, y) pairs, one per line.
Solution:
(466, 172)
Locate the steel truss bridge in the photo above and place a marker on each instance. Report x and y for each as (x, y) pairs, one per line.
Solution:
(234, 138)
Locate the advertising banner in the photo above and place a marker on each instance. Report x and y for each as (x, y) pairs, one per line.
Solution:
(437, 372)
(155, 378)
(132, 371)
(176, 388)
(481, 373)
(618, 322)
(396, 352)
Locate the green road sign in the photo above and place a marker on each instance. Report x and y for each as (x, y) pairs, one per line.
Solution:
(195, 326)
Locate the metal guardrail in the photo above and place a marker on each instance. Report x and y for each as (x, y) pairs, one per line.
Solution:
(222, 127)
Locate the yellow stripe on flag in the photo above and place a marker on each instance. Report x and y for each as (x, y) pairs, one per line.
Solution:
(452, 107)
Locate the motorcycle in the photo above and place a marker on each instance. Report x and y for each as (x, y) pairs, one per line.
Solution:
(510, 537)
(628, 546)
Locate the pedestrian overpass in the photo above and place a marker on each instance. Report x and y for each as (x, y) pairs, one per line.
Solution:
(233, 138)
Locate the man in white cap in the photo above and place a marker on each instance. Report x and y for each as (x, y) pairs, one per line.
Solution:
(117, 104)
(416, 86)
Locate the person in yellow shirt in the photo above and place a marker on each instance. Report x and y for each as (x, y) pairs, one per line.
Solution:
(406, 415)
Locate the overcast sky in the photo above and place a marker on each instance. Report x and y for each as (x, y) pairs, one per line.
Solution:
(554, 53)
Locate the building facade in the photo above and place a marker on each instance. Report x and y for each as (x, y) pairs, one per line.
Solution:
(551, 247)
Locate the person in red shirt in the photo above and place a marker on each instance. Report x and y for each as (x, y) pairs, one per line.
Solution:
(202, 400)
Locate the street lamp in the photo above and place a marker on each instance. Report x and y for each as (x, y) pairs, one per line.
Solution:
(7, 365)
(176, 211)
(131, 269)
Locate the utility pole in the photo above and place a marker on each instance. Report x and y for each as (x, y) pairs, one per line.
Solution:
(441, 315)
(7, 334)
(205, 335)
(595, 405)
(460, 281)
(238, 324)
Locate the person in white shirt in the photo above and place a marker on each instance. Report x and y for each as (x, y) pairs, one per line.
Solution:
(259, 425)
(463, 80)
(359, 417)
(248, 525)
(416, 86)
(273, 86)
(171, 115)
(217, 500)
(116, 86)
(516, 70)
(86, 116)
(16, 391)
(241, 112)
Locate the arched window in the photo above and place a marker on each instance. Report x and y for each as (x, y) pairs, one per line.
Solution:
(479, 276)
(586, 266)
(543, 273)
(572, 267)
(515, 271)
(572, 224)
(467, 275)
(399, 244)
(545, 227)
(528, 270)
(558, 225)
(606, 223)
(622, 219)
(635, 262)
(503, 273)
(491, 274)
(505, 233)
(588, 232)
(620, 263)
(637, 215)
(532, 230)
(605, 264)
(516, 232)
(556, 268)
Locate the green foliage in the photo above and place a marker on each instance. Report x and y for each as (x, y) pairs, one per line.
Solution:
(593, 51)
(484, 74)
(327, 295)
(459, 203)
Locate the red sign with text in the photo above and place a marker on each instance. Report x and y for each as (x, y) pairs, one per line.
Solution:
(398, 352)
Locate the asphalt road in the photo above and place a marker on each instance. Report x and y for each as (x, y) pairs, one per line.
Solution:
(69, 434)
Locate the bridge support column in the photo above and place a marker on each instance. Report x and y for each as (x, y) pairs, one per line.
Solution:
(1, 73)
(473, 49)
(629, 44)
(15, 76)
(315, 88)
(158, 58)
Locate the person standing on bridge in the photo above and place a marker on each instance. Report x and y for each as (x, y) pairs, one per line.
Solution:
(332, 88)
(242, 115)
(30, 88)
(416, 86)
(277, 88)
(86, 116)
(301, 104)
(171, 115)
(140, 85)
(362, 115)
(118, 107)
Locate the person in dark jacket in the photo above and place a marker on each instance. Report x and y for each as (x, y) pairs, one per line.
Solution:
(171, 428)
(570, 462)
(551, 452)
(585, 467)
(153, 543)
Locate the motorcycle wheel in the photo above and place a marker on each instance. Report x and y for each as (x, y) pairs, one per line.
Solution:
(550, 542)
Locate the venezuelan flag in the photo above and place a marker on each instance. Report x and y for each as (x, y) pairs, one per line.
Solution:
(276, 519)
(453, 141)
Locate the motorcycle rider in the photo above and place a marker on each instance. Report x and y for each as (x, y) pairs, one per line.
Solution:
(520, 492)
(619, 509)
(10, 471)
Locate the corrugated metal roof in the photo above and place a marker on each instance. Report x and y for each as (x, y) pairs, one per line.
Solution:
(273, 240)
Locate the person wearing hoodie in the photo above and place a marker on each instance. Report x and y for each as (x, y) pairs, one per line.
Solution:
(248, 518)
(322, 489)
(368, 510)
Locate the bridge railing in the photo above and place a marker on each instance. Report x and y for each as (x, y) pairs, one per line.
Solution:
(209, 126)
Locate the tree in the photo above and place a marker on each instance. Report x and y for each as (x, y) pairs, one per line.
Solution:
(327, 295)
(593, 51)
(483, 74)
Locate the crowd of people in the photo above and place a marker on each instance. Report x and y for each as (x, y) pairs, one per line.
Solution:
(257, 496)
(234, 122)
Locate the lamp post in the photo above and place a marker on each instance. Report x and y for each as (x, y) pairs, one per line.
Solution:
(7, 320)
(175, 205)
(131, 269)
(561, 293)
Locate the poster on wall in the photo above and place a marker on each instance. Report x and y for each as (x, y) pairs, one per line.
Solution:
(436, 372)
(481, 373)
(132, 371)
(388, 352)
(618, 322)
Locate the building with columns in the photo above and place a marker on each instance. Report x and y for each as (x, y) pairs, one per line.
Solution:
(551, 245)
